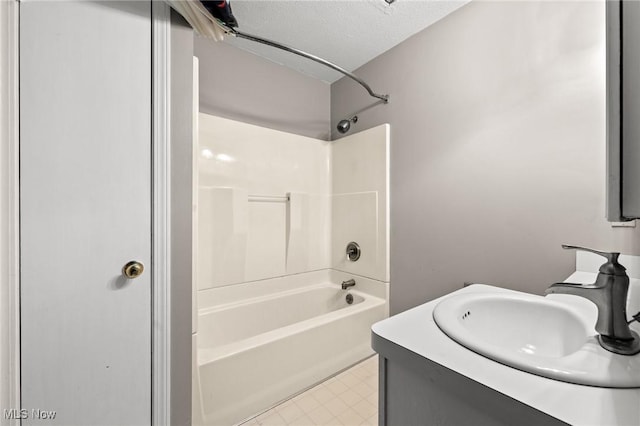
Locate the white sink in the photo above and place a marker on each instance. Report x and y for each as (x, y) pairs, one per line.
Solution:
(549, 336)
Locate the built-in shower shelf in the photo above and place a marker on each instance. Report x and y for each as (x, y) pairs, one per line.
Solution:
(269, 198)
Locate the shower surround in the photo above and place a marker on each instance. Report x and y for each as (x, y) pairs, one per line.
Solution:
(275, 212)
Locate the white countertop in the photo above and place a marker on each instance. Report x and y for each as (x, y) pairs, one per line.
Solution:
(416, 331)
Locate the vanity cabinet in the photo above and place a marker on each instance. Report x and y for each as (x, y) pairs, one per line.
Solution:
(417, 391)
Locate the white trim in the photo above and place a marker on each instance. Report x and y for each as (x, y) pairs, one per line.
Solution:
(161, 244)
(9, 210)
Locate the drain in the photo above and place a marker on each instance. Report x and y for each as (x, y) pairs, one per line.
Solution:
(349, 298)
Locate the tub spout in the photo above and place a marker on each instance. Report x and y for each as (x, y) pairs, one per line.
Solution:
(348, 283)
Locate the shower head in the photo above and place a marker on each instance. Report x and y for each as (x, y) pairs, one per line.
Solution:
(345, 125)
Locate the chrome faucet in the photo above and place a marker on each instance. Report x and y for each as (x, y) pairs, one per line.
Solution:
(609, 293)
(348, 283)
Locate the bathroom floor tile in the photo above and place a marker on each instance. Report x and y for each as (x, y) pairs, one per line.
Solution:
(336, 386)
(350, 418)
(321, 415)
(272, 419)
(302, 421)
(290, 413)
(347, 399)
(365, 409)
(349, 379)
(373, 399)
(363, 389)
(371, 421)
(322, 394)
(362, 372)
(306, 402)
(336, 406)
(350, 398)
(371, 381)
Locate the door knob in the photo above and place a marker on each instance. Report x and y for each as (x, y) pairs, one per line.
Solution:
(132, 269)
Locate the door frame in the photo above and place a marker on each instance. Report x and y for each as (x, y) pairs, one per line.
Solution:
(9, 210)
(10, 214)
(160, 211)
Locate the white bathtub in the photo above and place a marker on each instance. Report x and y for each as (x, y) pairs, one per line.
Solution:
(255, 353)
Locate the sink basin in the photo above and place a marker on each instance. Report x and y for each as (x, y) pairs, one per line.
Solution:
(552, 337)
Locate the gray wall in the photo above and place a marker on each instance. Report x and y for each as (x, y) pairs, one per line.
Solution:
(241, 86)
(497, 119)
(181, 217)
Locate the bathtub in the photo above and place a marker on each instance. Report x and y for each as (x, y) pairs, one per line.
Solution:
(254, 353)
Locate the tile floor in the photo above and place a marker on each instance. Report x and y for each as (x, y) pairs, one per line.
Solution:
(348, 399)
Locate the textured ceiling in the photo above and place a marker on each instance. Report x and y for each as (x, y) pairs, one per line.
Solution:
(348, 33)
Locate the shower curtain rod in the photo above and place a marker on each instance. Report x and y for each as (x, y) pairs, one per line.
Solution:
(236, 33)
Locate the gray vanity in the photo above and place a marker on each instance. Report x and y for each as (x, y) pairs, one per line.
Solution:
(427, 378)
(415, 390)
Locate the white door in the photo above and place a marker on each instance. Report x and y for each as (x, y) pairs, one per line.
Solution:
(85, 182)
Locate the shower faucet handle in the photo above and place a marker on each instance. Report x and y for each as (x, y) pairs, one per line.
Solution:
(353, 251)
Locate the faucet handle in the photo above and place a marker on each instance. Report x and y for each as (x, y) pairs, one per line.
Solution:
(611, 267)
(611, 256)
